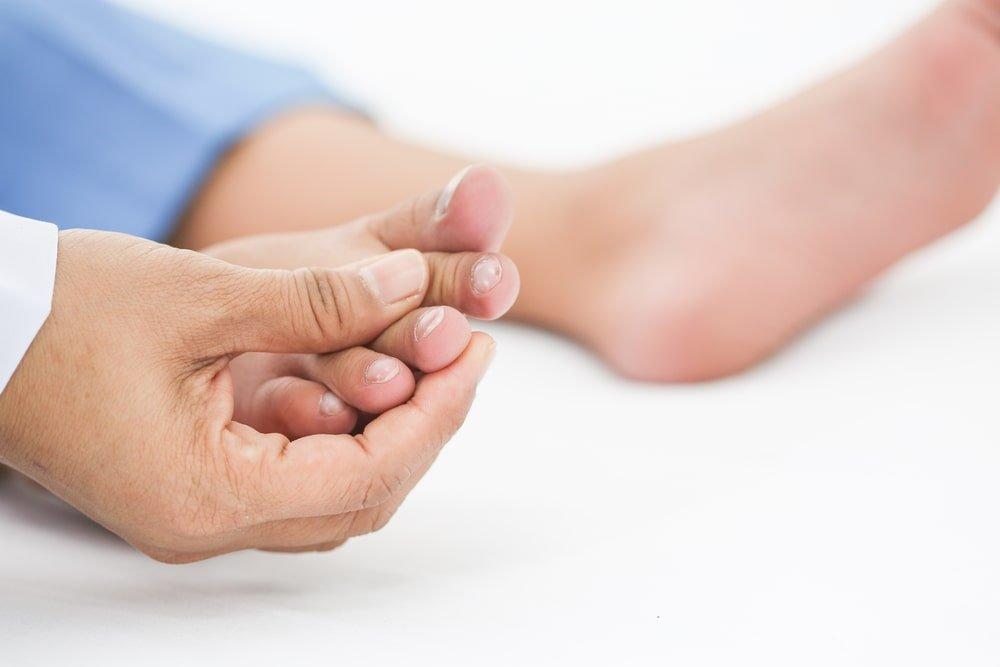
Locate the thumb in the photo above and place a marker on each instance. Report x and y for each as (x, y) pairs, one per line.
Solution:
(314, 309)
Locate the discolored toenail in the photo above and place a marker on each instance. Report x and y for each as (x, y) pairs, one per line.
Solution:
(444, 199)
(381, 370)
(428, 322)
(330, 405)
(486, 274)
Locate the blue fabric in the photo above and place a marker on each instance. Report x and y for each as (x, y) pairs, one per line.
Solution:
(109, 120)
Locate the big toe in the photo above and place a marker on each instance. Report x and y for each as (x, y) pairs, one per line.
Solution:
(473, 212)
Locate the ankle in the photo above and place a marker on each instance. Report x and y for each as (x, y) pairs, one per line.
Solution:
(548, 241)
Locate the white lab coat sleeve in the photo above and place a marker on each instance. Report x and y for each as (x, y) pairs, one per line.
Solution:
(27, 278)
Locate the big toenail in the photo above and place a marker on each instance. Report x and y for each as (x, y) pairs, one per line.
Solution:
(486, 274)
(381, 370)
(444, 199)
(428, 322)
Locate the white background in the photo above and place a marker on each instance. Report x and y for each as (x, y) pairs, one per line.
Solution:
(835, 506)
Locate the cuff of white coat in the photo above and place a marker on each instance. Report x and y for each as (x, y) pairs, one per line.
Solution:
(28, 251)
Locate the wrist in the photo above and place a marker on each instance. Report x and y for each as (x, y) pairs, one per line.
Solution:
(32, 394)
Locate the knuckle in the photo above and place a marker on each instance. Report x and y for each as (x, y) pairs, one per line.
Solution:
(222, 296)
(247, 482)
(386, 482)
(456, 279)
(214, 284)
(324, 303)
(379, 488)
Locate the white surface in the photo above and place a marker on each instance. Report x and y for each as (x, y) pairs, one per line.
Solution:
(27, 276)
(836, 506)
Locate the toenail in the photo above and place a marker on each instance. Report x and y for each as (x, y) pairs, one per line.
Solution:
(486, 274)
(330, 405)
(428, 322)
(381, 370)
(444, 199)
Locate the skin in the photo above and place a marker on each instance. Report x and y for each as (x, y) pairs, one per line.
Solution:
(138, 356)
(283, 393)
(696, 259)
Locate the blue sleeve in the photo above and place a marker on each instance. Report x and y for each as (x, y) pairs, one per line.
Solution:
(109, 120)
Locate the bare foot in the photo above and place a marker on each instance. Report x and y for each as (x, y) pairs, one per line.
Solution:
(698, 259)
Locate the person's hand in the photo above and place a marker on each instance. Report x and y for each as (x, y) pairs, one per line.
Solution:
(123, 405)
(460, 228)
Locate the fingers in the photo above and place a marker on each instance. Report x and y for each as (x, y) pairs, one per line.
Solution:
(378, 378)
(315, 394)
(296, 408)
(323, 533)
(312, 310)
(473, 212)
(324, 475)
(427, 339)
(481, 285)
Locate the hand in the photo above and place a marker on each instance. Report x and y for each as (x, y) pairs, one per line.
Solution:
(124, 404)
(461, 227)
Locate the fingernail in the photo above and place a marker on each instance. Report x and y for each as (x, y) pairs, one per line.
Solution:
(381, 370)
(395, 276)
(330, 404)
(428, 322)
(486, 274)
(444, 199)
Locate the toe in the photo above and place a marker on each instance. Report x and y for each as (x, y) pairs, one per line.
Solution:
(427, 339)
(365, 379)
(481, 285)
(473, 212)
(297, 408)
